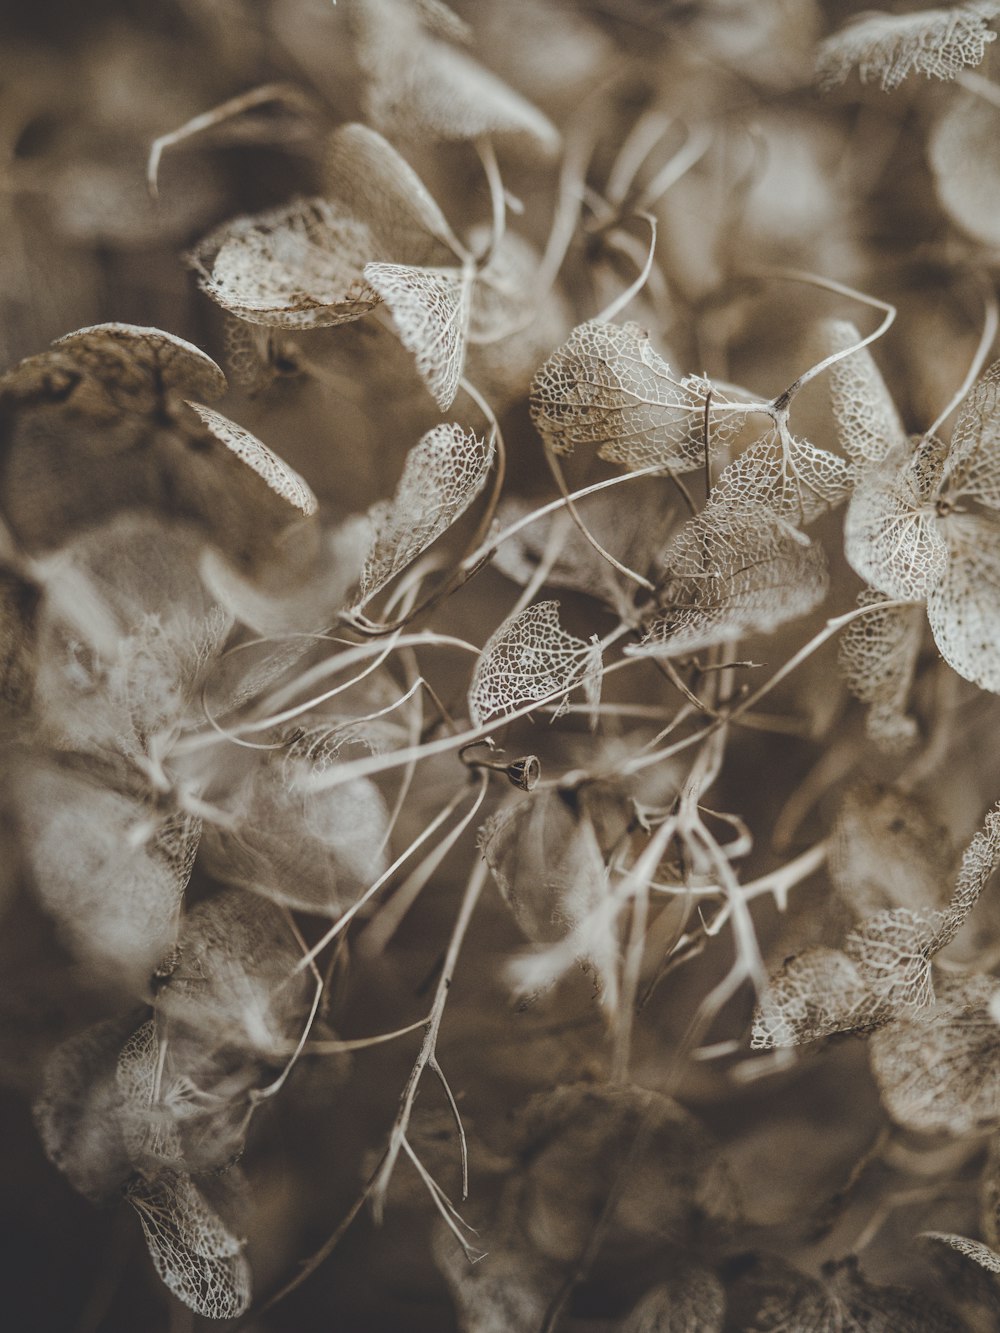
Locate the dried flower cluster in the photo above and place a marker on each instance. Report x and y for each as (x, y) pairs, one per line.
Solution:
(501, 827)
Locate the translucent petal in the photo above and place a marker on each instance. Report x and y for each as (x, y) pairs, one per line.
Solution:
(730, 571)
(892, 535)
(443, 474)
(971, 1249)
(962, 149)
(793, 478)
(938, 1069)
(868, 424)
(298, 266)
(193, 1252)
(607, 388)
(150, 354)
(431, 308)
(972, 468)
(526, 660)
(815, 994)
(964, 607)
(877, 656)
(284, 481)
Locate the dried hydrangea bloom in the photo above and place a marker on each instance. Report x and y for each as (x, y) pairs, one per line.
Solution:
(607, 388)
(938, 43)
(529, 659)
(877, 657)
(444, 472)
(192, 1250)
(938, 1070)
(730, 571)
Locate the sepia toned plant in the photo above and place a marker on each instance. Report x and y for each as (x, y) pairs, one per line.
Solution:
(501, 821)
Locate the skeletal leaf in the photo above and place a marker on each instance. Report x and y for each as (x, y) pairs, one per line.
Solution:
(421, 86)
(606, 387)
(892, 951)
(230, 980)
(279, 477)
(730, 571)
(192, 1250)
(972, 469)
(979, 864)
(431, 308)
(971, 1249)
(792, 478)
(868, 424)
(938, 43)
(963, 607)
(692, 1301)
(815, 994)
(149, 1131)
(887, 850)
(938, 1069)
(298, 266)
(877, 656)
(77, 1110)
(443, 474)
(531, 658)
(892, 535)
(962, 152)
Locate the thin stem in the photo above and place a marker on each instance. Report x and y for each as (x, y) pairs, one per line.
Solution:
(235, 106)
(473, 890)
(991, 318)
(498, 201)
(631, 292)
(556, 469)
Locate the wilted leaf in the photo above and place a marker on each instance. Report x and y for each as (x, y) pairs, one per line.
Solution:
(792, 478)
(531, 658)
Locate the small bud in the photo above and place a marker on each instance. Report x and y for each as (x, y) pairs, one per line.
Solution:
(525, 772)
